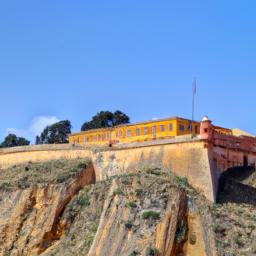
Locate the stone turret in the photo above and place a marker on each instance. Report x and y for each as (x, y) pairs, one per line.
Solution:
(206, 129)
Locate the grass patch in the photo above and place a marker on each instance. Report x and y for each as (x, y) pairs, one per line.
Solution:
(42, 173)
(151, 215)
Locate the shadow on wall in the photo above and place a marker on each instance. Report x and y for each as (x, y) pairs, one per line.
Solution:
(238, 185)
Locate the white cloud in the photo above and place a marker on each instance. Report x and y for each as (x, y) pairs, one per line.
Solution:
(35, 128)
(39, 123)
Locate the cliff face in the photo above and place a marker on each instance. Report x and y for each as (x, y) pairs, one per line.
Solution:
(56, 209)
(30, 217)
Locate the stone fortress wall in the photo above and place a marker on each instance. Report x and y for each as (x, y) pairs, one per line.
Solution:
(200, 159)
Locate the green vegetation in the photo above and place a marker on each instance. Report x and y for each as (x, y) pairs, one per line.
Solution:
(134, 253)
(218, 228)
(83, 201)
(13, 141)
(118, 191)
(151, 215)
(105, 119)
(152, 252)
(238, 240)
(154, 171)
(55, 134)
(181, 233)
(182, 181)
(139, 192)
(131, 204)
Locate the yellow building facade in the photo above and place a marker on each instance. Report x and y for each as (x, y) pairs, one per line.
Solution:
(138, 132)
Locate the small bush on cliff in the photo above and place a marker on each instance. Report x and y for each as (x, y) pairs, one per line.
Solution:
(118, 191)
(134, 253)
(150, 215)
(182, 181)
(131, 204)
(181, 233)
(83, 201)
(152, 252)
(217, 228)
(128, 225)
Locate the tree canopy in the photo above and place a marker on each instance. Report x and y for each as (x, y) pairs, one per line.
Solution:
(105, 119)
(55, 134)
(13, 141)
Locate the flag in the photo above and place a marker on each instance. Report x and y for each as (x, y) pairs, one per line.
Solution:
(194, 86)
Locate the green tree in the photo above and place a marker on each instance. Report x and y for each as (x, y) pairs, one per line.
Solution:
(13, 141)
(55, 134)
(105, 119)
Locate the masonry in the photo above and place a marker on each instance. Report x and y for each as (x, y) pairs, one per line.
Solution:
(201, 159)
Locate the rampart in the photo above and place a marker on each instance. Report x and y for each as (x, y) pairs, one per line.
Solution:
(201, 159)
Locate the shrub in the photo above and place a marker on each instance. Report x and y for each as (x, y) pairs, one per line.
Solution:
(131, 204)
(182, 181)
(139, 192)
(181, 233)
(239, 241)
(82, 166)
(128, 225)
(83, 201)
(118, 192)
(151, 215)
(134, 253)
(218, 228)
(154, 171)
(152, 252)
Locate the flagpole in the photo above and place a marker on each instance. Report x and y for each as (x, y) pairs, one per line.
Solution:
(193, 99)
(193, 104)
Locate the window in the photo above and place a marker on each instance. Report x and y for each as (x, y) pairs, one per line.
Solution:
(145, 130)
(98, 137)
(162, 128)
(182, 127)
(85, 139)
(137, 131)
(189, 127)
(128, 133)
(154, 130)
(170, 127)
(196, 129)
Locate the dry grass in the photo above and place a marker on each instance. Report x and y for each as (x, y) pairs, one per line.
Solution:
(27, 175)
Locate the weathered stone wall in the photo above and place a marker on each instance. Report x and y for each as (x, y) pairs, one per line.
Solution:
(10, 159)
(188, 159)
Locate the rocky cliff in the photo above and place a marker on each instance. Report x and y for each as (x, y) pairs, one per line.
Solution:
(56, 208)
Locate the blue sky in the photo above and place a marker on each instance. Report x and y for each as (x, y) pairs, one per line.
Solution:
(70, 59)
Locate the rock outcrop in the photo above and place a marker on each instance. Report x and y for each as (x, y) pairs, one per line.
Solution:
(56, 208)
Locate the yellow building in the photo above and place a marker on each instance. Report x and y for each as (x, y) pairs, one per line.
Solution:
(143, 131)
